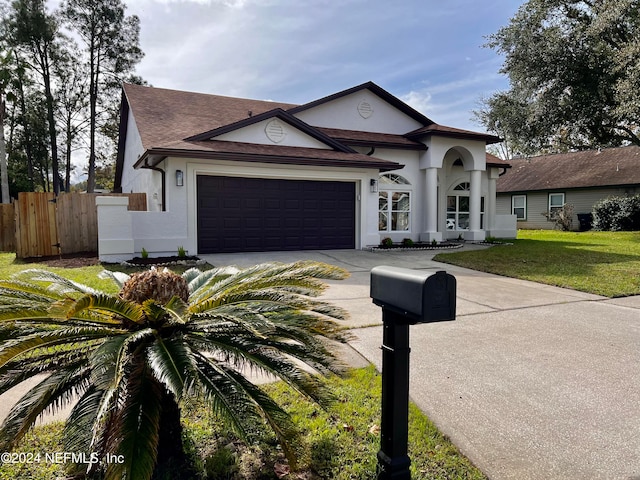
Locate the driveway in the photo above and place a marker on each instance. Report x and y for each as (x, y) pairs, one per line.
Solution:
(530, 381)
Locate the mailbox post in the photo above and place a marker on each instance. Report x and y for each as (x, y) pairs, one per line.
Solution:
(407, 297)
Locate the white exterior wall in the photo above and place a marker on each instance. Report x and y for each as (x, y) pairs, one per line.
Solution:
(344, 113)
(257, 133)
(139, 180)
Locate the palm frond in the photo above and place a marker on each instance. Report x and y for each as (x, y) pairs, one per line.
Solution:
(57, 283)
(171, 362)
(119, 278)
(200, 281)
(100, 303)
(52, 393)
(279, 420)
(138, 423)
(51, 338)
(81, 427)
(270, 358)
(225, 397)
(15, 372)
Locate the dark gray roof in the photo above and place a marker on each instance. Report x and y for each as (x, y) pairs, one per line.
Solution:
(592, 168)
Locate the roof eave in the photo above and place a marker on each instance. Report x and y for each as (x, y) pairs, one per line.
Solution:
(162, 153)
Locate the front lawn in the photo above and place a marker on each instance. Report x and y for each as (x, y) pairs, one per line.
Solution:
(603, 263)
(338, 443)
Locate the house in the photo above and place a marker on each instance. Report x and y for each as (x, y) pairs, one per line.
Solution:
(537, 185)
(229, 174)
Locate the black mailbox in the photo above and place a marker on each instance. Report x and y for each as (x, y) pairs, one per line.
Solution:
(416, 295)
(406, 297)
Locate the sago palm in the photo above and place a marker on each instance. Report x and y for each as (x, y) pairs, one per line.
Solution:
(128, 360)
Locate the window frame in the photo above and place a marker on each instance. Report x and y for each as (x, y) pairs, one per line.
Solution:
(523, 207)
(553, 209)
(392, 185)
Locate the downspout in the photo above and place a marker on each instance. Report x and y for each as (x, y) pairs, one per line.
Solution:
(163, 181)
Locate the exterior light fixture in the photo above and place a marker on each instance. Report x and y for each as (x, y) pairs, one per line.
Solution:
(374, 185)
(179, 178)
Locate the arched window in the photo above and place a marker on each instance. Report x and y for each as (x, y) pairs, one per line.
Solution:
(458, 208)
(393, 179)
(394, 203)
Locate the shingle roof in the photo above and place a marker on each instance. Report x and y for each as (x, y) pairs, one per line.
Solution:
(369, 139)
(444, 131)
(493, 161)
(164, 116)
(593, 168)
(172, 122)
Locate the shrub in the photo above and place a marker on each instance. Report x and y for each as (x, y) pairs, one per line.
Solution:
(617, 213)
(386, 242)
(407, 242)
(563, 217)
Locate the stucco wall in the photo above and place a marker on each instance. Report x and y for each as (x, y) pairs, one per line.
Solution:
(258, 133)
(139, 180)
(345, 113)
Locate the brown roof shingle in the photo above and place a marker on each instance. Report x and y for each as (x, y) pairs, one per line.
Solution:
(593, 168)
(164, 116)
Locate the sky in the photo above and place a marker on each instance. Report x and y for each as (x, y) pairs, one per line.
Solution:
(429, 53)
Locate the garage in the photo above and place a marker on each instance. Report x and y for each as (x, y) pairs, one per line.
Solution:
(237, 214)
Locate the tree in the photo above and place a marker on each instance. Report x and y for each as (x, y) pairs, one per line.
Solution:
(573, 71)
(72, 105)
(111, 42)
(36, 31)
(131, 358)
(5, 78)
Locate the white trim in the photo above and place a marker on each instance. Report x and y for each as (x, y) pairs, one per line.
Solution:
(524, 207)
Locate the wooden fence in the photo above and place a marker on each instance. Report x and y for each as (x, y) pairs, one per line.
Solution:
(44, 225)
(7, 227)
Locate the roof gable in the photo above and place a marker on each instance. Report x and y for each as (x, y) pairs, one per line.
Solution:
(366, 108)
(592, 168)
(273, 134)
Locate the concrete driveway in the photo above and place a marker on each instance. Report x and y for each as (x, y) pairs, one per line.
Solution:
(530, 381)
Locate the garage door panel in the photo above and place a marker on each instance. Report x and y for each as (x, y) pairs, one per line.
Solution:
(253, 214)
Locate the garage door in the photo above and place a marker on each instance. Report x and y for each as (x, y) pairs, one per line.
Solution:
(256, 214)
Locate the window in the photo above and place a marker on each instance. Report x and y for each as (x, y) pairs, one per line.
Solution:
(393, 179)
(556, 202)
(519, 206)
(394, 211)
(458, 208)
(394, 203)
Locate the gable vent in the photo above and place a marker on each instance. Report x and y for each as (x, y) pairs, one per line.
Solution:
(274, 131)
(365, 109)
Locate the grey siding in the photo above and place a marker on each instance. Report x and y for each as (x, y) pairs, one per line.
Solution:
(537, 203)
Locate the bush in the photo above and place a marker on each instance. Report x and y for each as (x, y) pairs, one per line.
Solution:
(563, 217)
(386, 243)
(617, 213)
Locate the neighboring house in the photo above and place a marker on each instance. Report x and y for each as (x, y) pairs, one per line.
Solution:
(538, 185)
(230, 174)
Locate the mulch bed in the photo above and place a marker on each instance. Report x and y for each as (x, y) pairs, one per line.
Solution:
(76, 260)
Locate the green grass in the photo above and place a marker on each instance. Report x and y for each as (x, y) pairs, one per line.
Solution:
(86, 275)
(339, 443)
(603, 263)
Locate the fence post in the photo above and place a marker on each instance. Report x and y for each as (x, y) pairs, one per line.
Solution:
(115, 229)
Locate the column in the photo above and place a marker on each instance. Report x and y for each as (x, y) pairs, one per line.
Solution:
(431, 207)
(475, 233)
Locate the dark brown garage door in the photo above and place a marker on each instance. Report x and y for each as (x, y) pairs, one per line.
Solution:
(256, 214)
